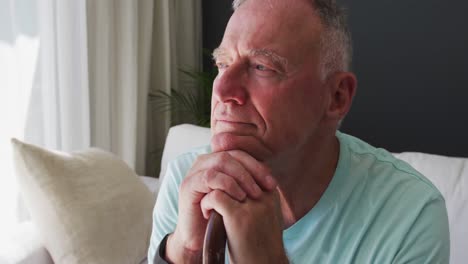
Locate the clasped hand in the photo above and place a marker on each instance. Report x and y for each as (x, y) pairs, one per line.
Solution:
(242, 190)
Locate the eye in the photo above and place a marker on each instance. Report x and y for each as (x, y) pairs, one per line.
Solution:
(221, 65)
(260, 67)
(263, 71)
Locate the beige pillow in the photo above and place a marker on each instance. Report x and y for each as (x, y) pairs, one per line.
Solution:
(88, 206)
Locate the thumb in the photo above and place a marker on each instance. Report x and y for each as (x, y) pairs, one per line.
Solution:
(219, 201)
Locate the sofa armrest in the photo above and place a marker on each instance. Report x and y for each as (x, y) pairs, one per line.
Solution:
(23, 246)
(152, 184)
(181, 139)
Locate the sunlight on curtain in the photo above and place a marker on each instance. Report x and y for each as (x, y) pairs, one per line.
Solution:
(19, 51)
(66, 85)
(44, 96)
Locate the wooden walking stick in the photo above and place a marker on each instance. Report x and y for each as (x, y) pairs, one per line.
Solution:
(214, 245)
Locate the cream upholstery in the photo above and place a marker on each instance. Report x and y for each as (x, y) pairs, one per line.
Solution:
(88, 206)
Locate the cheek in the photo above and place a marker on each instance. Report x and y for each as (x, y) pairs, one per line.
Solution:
(213, 101)
(291, 113)
(292, 104)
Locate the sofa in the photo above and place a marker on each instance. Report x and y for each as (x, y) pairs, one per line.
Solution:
(449, 175)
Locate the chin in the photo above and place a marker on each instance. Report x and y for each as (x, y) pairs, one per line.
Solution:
(226, 141)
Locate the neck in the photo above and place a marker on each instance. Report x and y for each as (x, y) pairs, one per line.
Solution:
(304, 176)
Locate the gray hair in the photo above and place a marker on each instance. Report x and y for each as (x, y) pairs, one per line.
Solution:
(335, 42)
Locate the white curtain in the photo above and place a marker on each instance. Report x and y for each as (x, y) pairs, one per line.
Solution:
(177, 44)
(76, 73)
(59, 112)
(19, 53)
(94, 65)
(119, 38)
(73, 74)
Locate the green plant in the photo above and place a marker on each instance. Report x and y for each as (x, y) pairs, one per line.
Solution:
(193, 103)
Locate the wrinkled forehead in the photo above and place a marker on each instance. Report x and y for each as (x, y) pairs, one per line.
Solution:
(288, 27)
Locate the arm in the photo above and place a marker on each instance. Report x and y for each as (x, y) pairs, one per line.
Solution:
(165, 211)
(428, 240)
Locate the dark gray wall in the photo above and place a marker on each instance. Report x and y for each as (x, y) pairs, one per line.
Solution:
(411, 59)
(216, 14)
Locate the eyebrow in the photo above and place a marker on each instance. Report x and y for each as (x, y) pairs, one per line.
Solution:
(273, 56)
(218, 52)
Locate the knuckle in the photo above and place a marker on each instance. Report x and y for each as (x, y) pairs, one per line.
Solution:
(200, 158)
(230, 183)
(223, 157)
(259, 167)
(262, 171)
(266, 169)
(245, 178)
(210, 175)
(236, 153)
(239, 175)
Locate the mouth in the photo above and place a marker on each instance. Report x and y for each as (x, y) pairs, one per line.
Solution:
(233, 122)
(226, 126)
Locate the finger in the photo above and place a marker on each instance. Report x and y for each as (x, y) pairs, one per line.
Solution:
(216, 180)
(209, 180)
(259, 171)
(219, 201)
(227, 164)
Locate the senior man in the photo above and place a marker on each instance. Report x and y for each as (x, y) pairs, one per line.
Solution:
(290, 187)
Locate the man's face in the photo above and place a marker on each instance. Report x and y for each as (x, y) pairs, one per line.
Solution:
(268, 98)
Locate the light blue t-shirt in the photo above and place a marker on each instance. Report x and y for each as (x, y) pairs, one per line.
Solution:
(376, 209)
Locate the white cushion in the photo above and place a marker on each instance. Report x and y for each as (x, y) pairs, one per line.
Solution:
(450, 176)
(88, 206)
(181, 139)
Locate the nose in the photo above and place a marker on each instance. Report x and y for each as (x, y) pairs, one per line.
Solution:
(229, 86)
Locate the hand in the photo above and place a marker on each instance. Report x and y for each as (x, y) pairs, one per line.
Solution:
(234, 173)
(254, 227)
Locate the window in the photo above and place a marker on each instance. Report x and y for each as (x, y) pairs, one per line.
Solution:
(19, 52)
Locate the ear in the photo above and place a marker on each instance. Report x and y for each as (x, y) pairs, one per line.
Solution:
(342, 88)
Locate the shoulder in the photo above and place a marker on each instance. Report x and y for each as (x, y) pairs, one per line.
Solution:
(382, 167)
(399, 205)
